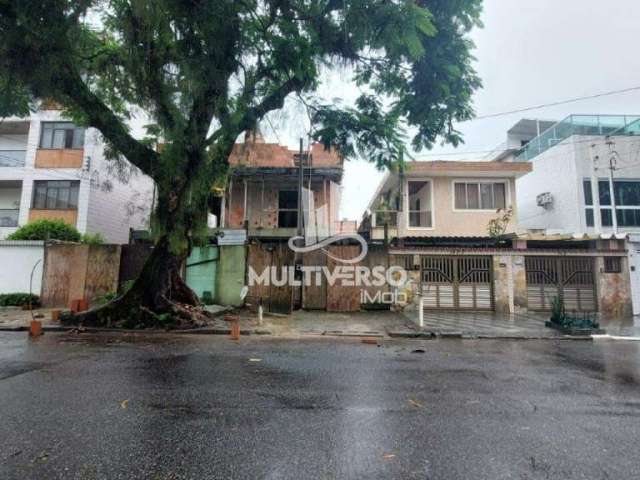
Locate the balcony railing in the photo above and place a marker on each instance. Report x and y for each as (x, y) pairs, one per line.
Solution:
(594, 125)
(9, 218)
(12, 158)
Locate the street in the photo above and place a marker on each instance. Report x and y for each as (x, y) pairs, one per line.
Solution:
(168, 407)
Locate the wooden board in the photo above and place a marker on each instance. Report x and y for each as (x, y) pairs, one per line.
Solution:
(314, 296)
(340, 297)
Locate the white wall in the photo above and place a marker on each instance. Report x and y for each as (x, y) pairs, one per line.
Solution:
(554, 171)
(116, 203)
(17, 260)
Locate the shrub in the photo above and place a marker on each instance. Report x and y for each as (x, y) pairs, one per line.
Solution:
(46, 230)
(17, 299)
(92, 239)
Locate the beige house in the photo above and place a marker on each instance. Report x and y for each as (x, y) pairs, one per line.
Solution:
(443, 199)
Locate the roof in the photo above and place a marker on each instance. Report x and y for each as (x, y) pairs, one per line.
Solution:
(479, 168)
(531, 126)
(452, 168)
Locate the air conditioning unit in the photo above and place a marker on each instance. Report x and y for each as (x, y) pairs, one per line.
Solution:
(545, 200)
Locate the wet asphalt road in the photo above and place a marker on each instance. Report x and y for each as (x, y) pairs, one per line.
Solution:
(174, 407)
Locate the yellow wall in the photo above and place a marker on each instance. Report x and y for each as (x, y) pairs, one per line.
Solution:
(448, 222)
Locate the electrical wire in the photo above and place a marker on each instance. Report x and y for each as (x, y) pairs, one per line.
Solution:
(553, 104)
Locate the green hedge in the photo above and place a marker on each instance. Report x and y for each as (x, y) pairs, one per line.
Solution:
(46, 230)
(17, 299)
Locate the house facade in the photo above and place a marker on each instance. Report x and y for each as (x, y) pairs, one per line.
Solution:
(585, 181)
(53, 169)
(434, 217)
(261, 196)
(443, 199)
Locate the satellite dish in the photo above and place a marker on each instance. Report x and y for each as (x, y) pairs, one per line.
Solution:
(243, 292)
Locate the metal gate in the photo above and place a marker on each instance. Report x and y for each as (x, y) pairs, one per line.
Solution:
(571, 277)
(457, 283)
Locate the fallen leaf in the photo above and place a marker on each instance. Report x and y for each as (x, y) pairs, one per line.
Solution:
(414, 403)
(124, 403)
(389, 456)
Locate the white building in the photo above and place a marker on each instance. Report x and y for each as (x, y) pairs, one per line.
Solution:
(577, 164)
(50, 168)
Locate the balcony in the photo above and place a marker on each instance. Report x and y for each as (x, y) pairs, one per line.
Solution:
(59, 158)
(588, 125)
(12, 158)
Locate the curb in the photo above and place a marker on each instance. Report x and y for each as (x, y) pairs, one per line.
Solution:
(195, 331)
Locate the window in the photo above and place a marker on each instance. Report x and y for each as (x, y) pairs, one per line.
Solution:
(479, 195)
(59, 135)
(420, 204)
(588, 201)
(627, 197)
(287, 209)
(55, 194)
(612, 265)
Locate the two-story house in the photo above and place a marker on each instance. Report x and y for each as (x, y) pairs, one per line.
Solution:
(53, 169)
(443, 199)
(585, 180)
(435, 217)
(262, 191)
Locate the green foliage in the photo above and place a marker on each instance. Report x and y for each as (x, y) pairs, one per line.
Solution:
(205, 72)
(560, 317)
(46, 230)
(557, 309)
(18, 299)
(498, 226)
(92, 239)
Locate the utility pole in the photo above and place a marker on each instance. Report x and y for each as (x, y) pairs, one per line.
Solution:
(300, 186)
(612, 166)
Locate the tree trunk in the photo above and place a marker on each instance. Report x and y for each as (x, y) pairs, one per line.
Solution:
(158, 298)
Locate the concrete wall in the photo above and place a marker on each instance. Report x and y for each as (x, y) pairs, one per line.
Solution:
(509, 283)
(18, 260)
(554, 171)
(117, 200)
(614, 290)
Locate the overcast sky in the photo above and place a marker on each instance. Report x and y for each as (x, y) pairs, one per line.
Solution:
(532, 52)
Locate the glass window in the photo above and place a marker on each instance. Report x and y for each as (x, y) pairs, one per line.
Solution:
(420, 204)
(499, 195)
(479, 196)
(627, 193)
(287, 209)
(607, 218)
(588, 194)
(460, 196)
(56, 195)
(590, 218)
(605, 194)
(628, 217)
(61, 135)
(473, 199)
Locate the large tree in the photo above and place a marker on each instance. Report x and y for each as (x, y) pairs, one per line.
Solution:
(205, 71)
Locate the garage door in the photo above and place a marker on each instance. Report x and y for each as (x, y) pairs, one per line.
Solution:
(572, 277)
(457, 283)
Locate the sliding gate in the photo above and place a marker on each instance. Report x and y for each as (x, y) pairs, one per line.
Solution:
(571, 277)
(457, 283)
